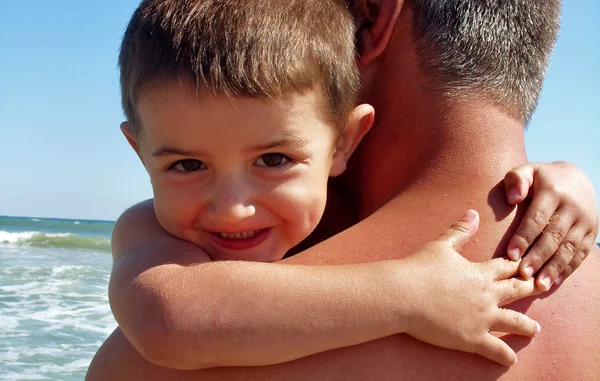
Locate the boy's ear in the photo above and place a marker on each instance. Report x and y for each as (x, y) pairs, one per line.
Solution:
(375, 22)
(127, 130)
(357, 126)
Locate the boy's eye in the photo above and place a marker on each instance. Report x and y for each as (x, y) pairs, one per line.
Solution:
(272, 160)
(189, 165)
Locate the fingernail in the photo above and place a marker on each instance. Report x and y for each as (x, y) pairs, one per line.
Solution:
(529, 271)
(514, 253)
(559, 280)
(539, 329)
(470, 215)
(545, 281)
(513, 195)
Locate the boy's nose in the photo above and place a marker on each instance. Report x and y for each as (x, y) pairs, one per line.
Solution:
(233, 213)
(231, 202)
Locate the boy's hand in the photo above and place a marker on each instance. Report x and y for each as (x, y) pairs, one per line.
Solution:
(560, 225)
(458, 302)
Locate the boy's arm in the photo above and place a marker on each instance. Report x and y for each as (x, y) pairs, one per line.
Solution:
(180, 311)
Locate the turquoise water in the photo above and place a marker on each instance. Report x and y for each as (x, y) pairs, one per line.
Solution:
(54, 311)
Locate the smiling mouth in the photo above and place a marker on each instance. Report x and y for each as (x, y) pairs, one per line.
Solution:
(241, 240)
(242, 235)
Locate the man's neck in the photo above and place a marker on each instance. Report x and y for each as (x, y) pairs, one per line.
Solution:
(461, 146)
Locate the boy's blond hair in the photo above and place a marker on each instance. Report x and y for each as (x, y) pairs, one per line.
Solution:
(255, 48)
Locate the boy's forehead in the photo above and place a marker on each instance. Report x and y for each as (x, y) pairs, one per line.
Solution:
(175, 119)
(157, 99)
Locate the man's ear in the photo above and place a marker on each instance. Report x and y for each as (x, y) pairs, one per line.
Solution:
(375, 22)
(357, 126)
(127, 130)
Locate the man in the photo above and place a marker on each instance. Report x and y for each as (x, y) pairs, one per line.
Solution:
(453, 84)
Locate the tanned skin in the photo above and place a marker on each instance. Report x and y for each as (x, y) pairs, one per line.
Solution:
(424, 163)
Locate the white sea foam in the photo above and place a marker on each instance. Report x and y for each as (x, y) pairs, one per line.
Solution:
(54, 313)
(11, 237)
(12, 376)
(8, 237)
(58, 270)
(22, 289)
(69, 367)
(8, 323)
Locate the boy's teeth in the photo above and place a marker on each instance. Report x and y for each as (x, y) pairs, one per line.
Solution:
(239, 235)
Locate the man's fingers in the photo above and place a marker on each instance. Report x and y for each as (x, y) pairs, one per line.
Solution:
(513, 289)
(461, 231)
(517, 183)
(565, 254)
(536, 218)
(516, 323)
(497, 350)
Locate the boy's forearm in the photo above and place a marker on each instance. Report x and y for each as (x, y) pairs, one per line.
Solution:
(252, 314)
(179, 312)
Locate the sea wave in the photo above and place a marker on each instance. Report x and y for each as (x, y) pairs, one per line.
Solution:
(54, 240)
(85, 228)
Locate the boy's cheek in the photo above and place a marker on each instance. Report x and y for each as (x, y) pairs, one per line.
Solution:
(177, 219)
(174, 210)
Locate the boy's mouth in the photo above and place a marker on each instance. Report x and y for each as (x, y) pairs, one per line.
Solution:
(242, 235)
(241, 240)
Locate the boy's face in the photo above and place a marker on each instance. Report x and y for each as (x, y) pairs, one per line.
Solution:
(243, 178)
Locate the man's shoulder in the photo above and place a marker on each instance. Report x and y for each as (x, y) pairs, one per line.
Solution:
(591, 265)
(596, 250)
(570, 325)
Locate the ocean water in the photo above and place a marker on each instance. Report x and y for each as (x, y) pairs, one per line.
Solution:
(54, 311)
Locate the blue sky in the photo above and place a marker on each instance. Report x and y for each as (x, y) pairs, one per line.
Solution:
(61, 151)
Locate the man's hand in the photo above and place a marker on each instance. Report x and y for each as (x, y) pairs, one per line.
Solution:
(456, 303)
(561, 224)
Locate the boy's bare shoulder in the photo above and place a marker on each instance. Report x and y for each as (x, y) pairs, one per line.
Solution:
(138, 233)
(133, 226)
(140, 214)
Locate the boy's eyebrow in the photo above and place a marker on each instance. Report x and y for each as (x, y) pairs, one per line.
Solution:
(167, 151)
(291, 140)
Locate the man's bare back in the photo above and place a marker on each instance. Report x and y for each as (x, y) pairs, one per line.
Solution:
(566, 348)
(422, 165)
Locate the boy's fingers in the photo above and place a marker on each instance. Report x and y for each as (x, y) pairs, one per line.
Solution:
(502, 268)
(547, 243)
(565, 254)
(513, 289)
(517, 183)
(461, 231)
(497, 350)
(580, 255)
(536, 218)
(515, 323)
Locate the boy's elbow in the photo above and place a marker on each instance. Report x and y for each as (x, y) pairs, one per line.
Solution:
(161, 343)
(166, 352)
(159, 327)
(155, 343)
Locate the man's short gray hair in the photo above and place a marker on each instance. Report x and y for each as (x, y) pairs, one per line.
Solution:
(496, 48)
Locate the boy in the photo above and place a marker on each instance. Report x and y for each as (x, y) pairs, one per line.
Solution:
(239, 126)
